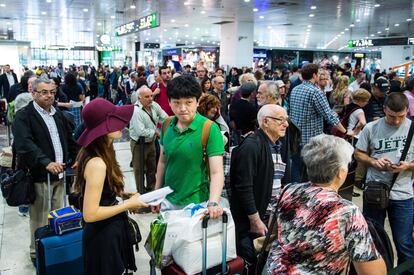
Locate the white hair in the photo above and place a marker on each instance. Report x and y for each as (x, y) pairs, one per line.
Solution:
(265, 111)
(271, 88)
(242, 78)
(215, 79)
(324, 155)
(142, 89)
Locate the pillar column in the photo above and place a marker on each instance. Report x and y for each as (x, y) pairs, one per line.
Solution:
(236, 44)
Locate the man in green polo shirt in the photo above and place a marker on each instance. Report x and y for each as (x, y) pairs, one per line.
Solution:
(181, 165)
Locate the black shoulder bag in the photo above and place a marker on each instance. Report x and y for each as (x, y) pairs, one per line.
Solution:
(376, 193)
(271, 236)
(17, 185)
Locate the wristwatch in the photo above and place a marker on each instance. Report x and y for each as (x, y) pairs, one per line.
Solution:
(212, 203)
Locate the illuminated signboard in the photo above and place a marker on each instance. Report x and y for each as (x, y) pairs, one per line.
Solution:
(144, 23)
(410, 41)
(168, 52)
(107, 49)
(392, 41)
(360, 43)
(259, 54)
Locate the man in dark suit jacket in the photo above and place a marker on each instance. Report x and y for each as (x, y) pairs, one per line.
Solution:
(7, 79)
(44, 144)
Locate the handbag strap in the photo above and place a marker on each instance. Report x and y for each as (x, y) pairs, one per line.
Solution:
(273, 223)
(405, 151)
(150, 116)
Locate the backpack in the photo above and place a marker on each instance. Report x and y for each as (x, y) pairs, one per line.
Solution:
(344, 117)
(204, 137)
(382, 243)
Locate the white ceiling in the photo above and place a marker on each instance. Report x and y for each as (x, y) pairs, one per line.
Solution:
(277, 23)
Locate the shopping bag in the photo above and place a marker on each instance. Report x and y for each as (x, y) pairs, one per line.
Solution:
(155, 241)
(186, 254)
(175, 225)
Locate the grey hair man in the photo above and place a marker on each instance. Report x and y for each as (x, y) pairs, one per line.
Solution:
(201, 73)
(268, 93)
(44, 144)
(218, 91)
(256, 173)
(144, 133)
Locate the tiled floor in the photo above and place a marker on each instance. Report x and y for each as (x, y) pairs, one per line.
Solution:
(14, 230)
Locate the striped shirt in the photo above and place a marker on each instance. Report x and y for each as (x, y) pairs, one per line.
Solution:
(279, 172)
(53, 131)
(308, 109)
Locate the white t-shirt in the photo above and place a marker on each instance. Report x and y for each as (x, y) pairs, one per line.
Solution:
(353, 120)
(380, 139)
(354, 86)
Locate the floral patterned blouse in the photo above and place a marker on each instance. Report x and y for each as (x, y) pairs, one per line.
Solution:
(319, 233)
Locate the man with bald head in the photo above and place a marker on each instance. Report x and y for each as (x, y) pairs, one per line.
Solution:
(218, 91)
(143, 128)
(256, 174)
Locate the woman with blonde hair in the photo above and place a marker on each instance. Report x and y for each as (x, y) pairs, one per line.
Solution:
(357, 120)
(340, 95)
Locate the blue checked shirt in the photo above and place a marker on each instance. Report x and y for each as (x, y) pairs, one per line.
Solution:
(53, 131)
(308, 108)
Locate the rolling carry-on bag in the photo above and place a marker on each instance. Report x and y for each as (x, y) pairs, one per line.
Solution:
(58, 254)
(235, 266)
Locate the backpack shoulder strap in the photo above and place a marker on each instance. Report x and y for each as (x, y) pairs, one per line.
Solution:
(204, 140)
(205, 133)
(166, 123)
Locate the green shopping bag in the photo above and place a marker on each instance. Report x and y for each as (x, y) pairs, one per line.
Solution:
(155, 241)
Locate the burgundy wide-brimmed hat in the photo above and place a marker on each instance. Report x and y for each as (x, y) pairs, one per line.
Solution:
(101, 117)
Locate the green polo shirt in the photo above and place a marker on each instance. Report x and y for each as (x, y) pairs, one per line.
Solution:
(185, 169)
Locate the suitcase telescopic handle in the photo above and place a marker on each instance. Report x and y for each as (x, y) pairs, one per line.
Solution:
(206, 218)
(204, 224)
(49, 195)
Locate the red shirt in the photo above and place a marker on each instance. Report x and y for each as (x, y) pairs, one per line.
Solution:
(162, 98)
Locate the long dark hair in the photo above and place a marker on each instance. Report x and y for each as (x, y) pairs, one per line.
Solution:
(103, 148)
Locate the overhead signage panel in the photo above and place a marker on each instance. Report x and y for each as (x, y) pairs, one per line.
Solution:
(141, 24)
(392, 41)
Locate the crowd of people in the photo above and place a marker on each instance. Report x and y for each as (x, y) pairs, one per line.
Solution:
(288, 139)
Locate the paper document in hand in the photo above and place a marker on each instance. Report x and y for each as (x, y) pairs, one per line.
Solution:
(157, 196)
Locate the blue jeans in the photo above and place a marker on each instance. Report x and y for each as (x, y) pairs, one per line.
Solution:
(298, 168)
(400, 216)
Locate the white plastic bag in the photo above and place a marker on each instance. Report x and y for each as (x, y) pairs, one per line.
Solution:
(185, 225)
(188, 254)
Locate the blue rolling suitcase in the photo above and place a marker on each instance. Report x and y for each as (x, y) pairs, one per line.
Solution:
(58, 254)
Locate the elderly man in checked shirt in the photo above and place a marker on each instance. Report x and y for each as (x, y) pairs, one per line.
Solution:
(308, 109)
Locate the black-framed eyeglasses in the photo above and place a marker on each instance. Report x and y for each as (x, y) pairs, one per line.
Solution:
(281, 120)
(46, 92)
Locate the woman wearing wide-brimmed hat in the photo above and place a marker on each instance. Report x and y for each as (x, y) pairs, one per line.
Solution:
(106, 246)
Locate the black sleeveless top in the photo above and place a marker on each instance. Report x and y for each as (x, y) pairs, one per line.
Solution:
(106, 247)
